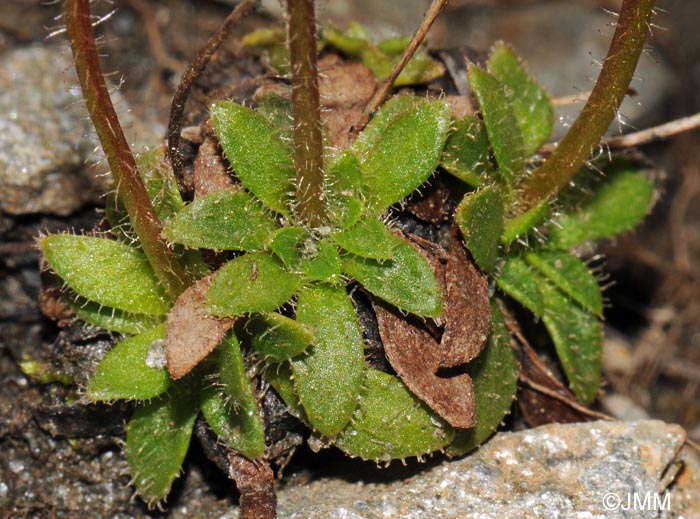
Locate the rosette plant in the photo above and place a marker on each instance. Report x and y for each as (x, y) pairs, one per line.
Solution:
(307, 225)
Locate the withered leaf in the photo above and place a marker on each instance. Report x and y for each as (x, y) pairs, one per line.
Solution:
(192, 333)
(209, 173)
(255, 481)
(467, 310)
(415, 355)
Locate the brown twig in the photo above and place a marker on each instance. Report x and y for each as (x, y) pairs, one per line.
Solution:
(600, 110)
(255, 480)
(177, 108)
(435, 8)
(565, 400)
(655, 133)
(306, 106)
(167, 267)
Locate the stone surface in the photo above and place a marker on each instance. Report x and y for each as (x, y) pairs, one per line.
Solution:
(47, 143)
(553, 471)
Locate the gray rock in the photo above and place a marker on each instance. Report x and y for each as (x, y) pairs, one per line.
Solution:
(47, 143)
(554, 471)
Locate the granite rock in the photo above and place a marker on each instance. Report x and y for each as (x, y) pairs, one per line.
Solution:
(563, 471)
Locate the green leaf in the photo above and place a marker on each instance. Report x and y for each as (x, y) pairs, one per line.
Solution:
(369, 238)
(260, 159)
(255, 282)
(344, 41)
(400, 148)
(617, 205)
(522, 224)
(577, 337)
(571, 275)
(406, 281)
(277, 338)
(531, 105)
(501, 123)
(494, 374)
(343, 181)
(480, 218)
(223, 220)
(467, 153)
(157, 439)
(107, 272)
(288, 244)
(520, 282)
(329, 376)
(392, 423)
(133, 370)
(278, 111)
(325, 265)
(112, 319)
(229, 405)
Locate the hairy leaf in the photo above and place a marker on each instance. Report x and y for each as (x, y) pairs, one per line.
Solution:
(467, 151)
(325, 265)
(133, 370)
(480, 218)
(229, 405)
(495, 377)
(400, 148)
(501, 123)
(288, 244)
(391, 422)
(531, 105)
(522, 224)
(255, 282)
(344, 185)
(577, 337)
(223, 220)
(157, 439)
(281, 377)
(518, 280)
(571, 275)
(107, 272)
(328, 377)
(277, 338)
(405, 281)
(617, 205)
(260, 159)
(367, 239)
(112, 319)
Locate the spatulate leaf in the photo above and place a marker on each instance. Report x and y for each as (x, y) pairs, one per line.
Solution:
(368, 239)
(400, 148)
(391, 422)
(406, 281)
(133, 370)
(519, 281)
(467, 151)
(157, 439)
(328, 376)
(107, 272)
(229, 405)
(276, 337)
(501, 123)
(223, 220)
(255, 282)
(259, 158)
(571, 275)
(531, 105)
(480, 218)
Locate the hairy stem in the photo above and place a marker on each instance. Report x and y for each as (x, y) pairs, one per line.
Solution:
(170, 272)
(600, 109)
(306, 106)
(177, 108)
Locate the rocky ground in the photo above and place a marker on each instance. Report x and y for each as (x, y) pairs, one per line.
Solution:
(60, 458)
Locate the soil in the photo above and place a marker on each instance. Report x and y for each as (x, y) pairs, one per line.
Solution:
(61, 457)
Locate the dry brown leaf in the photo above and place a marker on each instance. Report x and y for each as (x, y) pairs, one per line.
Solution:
(210, 174)
(415, 355)
(467, 309)
(345, 89)
(191, 333)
